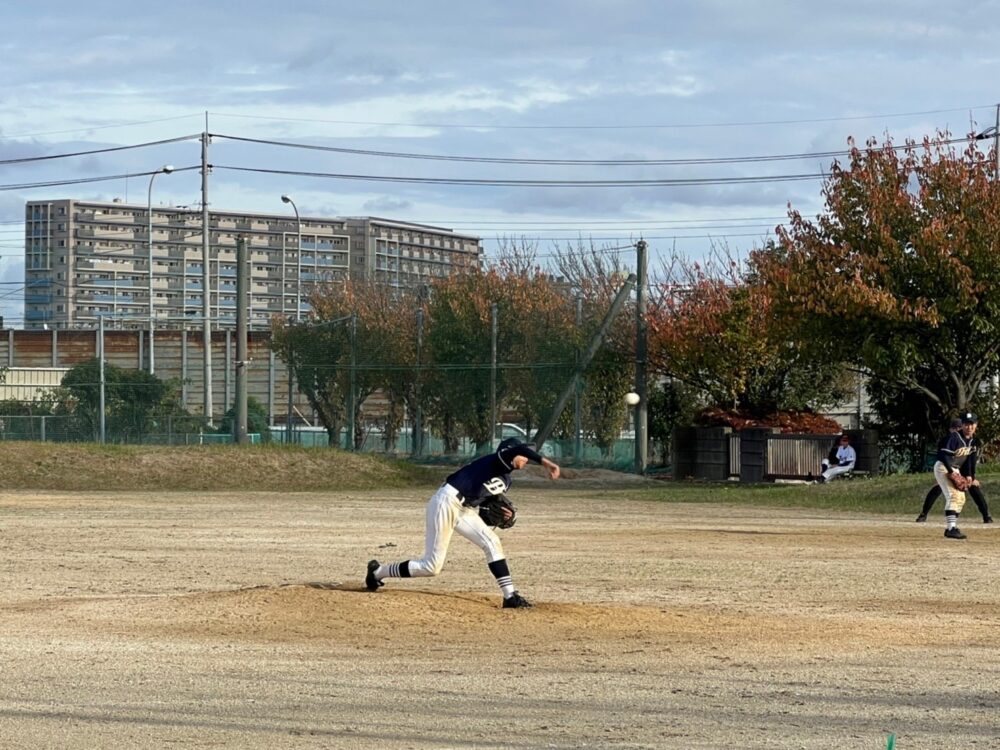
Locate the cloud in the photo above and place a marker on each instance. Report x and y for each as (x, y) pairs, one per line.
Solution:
(637, 79)
(386, 204)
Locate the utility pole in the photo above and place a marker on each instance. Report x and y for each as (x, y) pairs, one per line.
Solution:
(100, 371)
(996, 145)
(241, 340)
(641, 412)
(418, 412)
(578, 394)
(353, 394)
(291, 396)
(206, 277)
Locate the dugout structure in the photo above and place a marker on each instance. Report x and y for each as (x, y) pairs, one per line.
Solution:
(762, 455)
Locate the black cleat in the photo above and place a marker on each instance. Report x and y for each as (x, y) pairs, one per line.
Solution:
(371, 582)
(921, 518)
(954, 533)
(516, 601)
(988, 519)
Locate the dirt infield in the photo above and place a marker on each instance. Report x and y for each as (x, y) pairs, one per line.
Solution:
(191, 620)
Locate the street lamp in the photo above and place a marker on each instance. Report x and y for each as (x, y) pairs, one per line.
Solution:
(298, 254)
(165, 169)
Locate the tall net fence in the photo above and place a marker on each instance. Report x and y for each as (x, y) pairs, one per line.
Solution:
(429, 413)
(170, 430)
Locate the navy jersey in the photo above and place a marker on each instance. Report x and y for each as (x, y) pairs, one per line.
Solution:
(489, 475)
(959, 453)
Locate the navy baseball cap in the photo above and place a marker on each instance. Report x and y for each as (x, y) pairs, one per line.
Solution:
(969, 418)
(511, 442)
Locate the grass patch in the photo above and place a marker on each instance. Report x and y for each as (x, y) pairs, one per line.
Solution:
(88, 467)
(896, 494)
(92, 467)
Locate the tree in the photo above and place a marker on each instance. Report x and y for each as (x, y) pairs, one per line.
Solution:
(316, 352)
(377, 323)
(386, 347)
(671, 404)
(459, 346)
(899, 274)
(257, 420)
(715, 329)
(132, 399)
(597, 273)
(541, 314)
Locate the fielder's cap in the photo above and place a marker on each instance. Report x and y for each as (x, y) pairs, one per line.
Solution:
(956, 424)
(969, 418)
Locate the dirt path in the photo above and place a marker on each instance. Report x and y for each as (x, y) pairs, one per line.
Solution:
(239, 621)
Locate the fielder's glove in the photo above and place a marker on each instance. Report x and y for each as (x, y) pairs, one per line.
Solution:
(960, 482)
(498, 511)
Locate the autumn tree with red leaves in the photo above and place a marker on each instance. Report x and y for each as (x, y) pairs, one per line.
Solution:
(715, 329)
(900, 275)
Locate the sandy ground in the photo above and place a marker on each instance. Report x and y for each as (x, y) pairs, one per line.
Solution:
(142, 621)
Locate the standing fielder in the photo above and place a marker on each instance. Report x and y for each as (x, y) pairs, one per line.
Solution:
(454, 507)
(955, 470)
(975, 490)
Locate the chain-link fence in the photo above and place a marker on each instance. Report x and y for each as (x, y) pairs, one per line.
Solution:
(185, 430)
(171, 430)
(427, 412)
(586, 452)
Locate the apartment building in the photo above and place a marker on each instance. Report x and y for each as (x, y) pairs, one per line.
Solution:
(85, 260)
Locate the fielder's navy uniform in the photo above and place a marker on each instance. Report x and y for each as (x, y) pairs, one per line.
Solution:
(975, 491)
(454, 508)
(958, 455)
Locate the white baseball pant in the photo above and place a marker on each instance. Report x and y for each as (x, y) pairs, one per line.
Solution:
(445, 515)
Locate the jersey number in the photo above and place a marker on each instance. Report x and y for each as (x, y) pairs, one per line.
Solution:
(495, 486)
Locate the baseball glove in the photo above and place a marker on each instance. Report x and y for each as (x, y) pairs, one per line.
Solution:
(498, 511)
(960, 483)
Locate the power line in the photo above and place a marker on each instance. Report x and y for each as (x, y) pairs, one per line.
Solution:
(563, 162)
(666, 182)
(647, 237)
(28, 159)
(609, 221)
(83, 180)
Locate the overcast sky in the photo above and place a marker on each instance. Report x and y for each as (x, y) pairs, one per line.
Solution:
(588, 79)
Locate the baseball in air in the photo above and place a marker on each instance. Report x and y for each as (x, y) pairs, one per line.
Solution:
(631, 398)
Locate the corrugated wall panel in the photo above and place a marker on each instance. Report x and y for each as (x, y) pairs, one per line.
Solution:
(35, 349)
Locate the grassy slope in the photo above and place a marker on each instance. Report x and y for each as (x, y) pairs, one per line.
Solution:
(85, 467)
